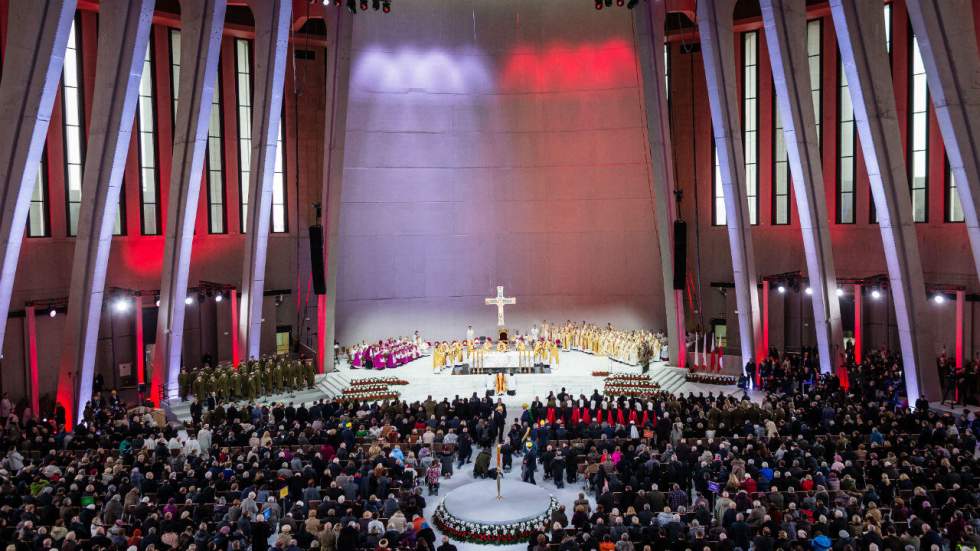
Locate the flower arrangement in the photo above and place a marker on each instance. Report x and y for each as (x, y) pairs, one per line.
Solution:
(630, 385)
(378, 381)
(362, 389)
(376, 396)
(491, 534)
(711, 379)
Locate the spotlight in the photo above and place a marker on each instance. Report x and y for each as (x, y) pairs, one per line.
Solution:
(781, 289)
(52, 313)
(809, 290)
(121, 305)
(840, 292)
(620, 3)
(158, 303)
(875, 294)
(189, 300)
(386, 6)
(939, 298)
(218, 297)
(364, 5)
(375, 5)
(598, 4)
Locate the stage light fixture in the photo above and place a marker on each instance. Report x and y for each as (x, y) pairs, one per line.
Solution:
(218, 297)
(52, 313)
(352, 6)
(620, 3)
(939, 298)
(840, 292)
(875, 294)
(121, 305)
(598, 4)
(364, 5)
(609, 3)
(189, 300)
(809, 290)
(375, 5)
(781, 289)
(386, 6)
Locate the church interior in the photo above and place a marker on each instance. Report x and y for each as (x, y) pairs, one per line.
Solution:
(563, 275)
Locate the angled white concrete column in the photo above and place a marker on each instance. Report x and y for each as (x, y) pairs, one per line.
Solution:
(785, 24)
(649, 34)
(124, 30)
(948, 44)
(861, 36)
(201, 25)
(340, 25)
(37, 36)
(271, 44)
(718, 49)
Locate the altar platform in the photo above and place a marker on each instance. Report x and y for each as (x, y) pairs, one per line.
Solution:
(467, 369)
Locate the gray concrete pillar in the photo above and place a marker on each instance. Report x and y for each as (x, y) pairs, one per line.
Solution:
(201, 25)
(272, 23)
(717, 46)
(649, 32)
(36, 41)
(861, 37)
(785, 25)
(948, 44)
(340, 26)
(124, 31)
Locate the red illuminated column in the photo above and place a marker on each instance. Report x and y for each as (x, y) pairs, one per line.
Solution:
(234, 327)
(321, 331)
(140, 350)
(960, 305)
(857, 323)
(32, 356)
(765, 320)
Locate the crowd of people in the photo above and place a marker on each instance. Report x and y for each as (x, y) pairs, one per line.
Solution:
(249, 381)
(385, 354)
(813, 465)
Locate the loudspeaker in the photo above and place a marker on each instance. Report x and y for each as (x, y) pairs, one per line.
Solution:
(680, 254)
(316, 259)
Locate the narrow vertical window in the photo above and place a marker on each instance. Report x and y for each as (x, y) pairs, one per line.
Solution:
(37, 216)
(887, 12)
(243, 82)
(279, 221)
(954, 210)
(918, 136)
(146, 126)
(814, 51)
(216, 164)
(750, 116)
(174, 71)
(74, 134)
(718, 215)
(845, 150)
(780, 172)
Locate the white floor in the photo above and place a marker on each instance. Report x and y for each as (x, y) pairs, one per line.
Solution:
(574, 374)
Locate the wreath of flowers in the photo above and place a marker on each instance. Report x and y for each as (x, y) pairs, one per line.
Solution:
(376, 396)
(491, 534)
(378, 381)
(711, 379)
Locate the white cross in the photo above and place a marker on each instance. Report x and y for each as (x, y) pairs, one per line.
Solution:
(500, 301)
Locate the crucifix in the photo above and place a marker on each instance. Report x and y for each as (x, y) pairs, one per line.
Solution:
(500, 301)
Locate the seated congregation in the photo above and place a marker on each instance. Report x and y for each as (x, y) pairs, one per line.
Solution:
(809, 466)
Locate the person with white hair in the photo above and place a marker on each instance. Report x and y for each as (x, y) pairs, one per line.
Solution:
(204, 440)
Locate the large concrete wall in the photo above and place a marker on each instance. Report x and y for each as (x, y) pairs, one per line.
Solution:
(502, 145)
